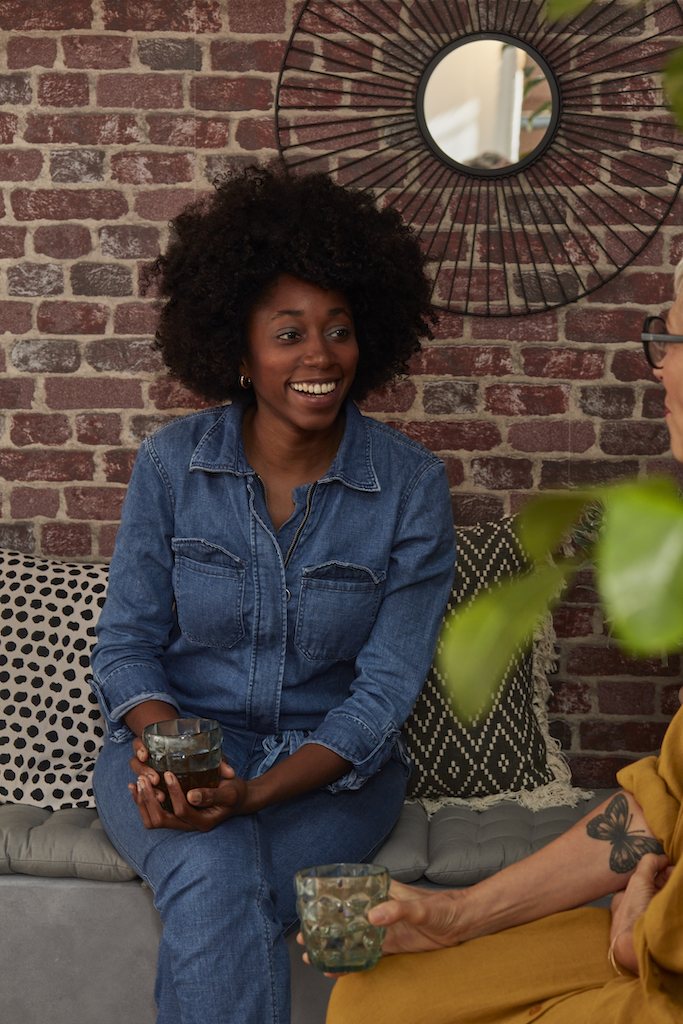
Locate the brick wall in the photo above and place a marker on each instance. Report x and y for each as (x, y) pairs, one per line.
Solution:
(113, 115)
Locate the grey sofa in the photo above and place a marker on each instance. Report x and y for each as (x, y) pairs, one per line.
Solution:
(78, 930)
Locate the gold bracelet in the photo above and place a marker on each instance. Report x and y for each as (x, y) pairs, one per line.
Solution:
(610, 952)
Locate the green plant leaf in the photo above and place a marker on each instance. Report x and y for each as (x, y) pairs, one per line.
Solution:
(557, 9)
(478, 641)
(547, 519)
(639, 562)
(673, 84)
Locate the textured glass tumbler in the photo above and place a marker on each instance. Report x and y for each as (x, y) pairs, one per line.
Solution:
(333, 901)
(188, 747)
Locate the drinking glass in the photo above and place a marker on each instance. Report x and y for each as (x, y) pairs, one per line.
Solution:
(188, 747)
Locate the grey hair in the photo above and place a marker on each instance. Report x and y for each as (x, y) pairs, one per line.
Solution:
(678, 277)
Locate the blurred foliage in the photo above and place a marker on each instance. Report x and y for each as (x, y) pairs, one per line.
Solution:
(636, 546)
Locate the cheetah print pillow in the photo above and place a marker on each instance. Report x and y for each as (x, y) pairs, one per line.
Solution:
(51, 728)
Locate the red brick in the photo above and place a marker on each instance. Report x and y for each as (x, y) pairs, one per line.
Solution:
(597, 772)
(96, 51)
(81, 165)
(463, 360)
(631, 365)
(82, 129)
(45, 15)
(541, 327)
(63, 241)
(568, 363)
(12, 241)
(644, 287)
(152, 168)
(135, 318)
(398, 398)
(195, 16)
(140, 92)
(46, 355)
(20, 164)
(448, 325)
(72, 318)
(45, 465)
(584, 472)
(17, 537)
(499, 473)
(98, 428)
(16, 393)
(610, 661)
(65, 539)
(238, 55)
(9, 126)
(611, 326)
(569, 698)
(94, 502)
(101, 279)
(170, 54)
(2, 206)
(626, 698)
(265, 16)
(35, 279)
(129, 241)
(121, 355)
(107, 539)
(576, 621)
(142, 426)
(212, 93)
(670, 700)
(15, 89)
(68, 204)
(256, 133)
(449, 397)
(551, 436)
(634, 438)
(527, 399)
(15, 317)
(455, 472)
(28, 502)
(582, 589)
(653, 404)
(63, 90)
(93, 393)
(610, 403)
(640, 737)
(31, 51)
(666, 467)
(170, 394)
(118, 465)
(452, 436)
(470, 509)
(163, 204)
(562, 732)
(197, 132)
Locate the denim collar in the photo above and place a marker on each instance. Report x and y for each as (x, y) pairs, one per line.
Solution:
(221, 450)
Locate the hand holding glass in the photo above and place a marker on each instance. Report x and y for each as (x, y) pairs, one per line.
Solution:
(333, 901)
(188, 747)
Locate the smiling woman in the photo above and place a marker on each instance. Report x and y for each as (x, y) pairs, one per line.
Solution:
(271, 558)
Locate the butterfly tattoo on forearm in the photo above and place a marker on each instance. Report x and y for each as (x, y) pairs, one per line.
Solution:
(627, 847)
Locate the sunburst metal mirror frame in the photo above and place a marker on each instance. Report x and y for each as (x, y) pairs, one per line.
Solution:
(522, 239)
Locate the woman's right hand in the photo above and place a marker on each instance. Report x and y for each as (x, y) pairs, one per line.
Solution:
(418, 920)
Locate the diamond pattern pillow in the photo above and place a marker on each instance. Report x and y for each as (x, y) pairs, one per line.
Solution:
(507, 753)
(51, 728)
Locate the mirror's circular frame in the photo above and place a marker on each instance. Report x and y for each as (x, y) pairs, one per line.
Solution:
(520, 239)
(448, 51)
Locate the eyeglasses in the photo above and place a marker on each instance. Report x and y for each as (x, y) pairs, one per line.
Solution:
(655, 339)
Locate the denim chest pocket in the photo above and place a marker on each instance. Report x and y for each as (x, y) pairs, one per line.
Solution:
(338, 605)
(208, 584)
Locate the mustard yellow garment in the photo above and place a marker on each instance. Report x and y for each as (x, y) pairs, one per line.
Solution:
(554, 970)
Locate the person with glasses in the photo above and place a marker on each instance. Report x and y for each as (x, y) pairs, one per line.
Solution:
(521, 945)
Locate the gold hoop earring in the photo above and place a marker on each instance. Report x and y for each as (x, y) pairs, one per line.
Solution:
(244, 381)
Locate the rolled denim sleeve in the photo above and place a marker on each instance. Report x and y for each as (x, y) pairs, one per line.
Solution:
(137, 618)
(392, 665)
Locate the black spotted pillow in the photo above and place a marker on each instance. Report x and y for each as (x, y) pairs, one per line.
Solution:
(51, 729)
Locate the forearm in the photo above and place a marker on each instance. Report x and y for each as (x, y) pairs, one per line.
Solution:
(573, 870)
(310, 767)
(148, 712)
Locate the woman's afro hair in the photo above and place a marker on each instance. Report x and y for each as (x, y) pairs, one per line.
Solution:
(228, 249)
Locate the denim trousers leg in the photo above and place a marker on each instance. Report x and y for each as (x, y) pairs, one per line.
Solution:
(226, 897)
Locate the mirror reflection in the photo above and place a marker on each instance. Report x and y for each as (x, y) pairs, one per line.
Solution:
(488, 104)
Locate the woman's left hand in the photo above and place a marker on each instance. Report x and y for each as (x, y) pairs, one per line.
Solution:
(650, 876)
(199, 811)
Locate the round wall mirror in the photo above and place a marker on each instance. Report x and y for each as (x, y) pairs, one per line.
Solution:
(487, 103)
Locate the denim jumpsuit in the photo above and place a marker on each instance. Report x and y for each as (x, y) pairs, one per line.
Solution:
(319, 632)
